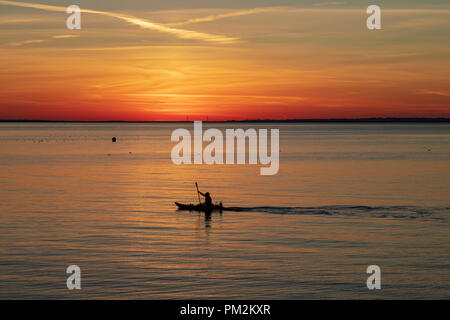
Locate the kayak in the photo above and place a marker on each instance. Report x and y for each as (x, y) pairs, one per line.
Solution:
(199, 207)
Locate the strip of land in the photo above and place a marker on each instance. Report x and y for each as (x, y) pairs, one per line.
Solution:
(362, 120)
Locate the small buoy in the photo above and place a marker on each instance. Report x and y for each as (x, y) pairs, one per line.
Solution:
(114, 139)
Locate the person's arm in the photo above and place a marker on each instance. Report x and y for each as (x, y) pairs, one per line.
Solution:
(202, 194)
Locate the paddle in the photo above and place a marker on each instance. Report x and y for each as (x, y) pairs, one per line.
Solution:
(198, 193)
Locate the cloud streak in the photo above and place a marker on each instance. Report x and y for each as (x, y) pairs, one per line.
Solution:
(65, 36)
(23, 43)
(227, 15)
(287, 9)
(146, 24)
(27, 42)
(436, 93)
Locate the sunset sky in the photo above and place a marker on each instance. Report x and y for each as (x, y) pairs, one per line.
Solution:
(223, 59)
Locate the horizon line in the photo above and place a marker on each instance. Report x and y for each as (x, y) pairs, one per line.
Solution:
(370, 119)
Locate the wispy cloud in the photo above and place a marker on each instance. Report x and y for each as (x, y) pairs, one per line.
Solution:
(228, 15)
(18, 20)
(25, 42)
(330, 3)
(436, 93)
(331, 6)
(267, 98)
(146, 24)
(65, 36)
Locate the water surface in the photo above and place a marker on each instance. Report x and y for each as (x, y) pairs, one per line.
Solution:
(347, 196)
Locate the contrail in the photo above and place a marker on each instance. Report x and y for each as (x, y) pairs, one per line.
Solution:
(287, 9)
(22, 43)
(181, 33)
(228, 15)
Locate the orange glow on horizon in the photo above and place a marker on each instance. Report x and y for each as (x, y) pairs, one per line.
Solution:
(313, 64)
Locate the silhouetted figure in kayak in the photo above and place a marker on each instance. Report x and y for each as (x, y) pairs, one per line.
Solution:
(208, 199)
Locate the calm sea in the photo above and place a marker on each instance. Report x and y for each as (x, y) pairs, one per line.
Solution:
(347, 196)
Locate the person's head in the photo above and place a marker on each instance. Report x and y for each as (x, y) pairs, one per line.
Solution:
(207, 194)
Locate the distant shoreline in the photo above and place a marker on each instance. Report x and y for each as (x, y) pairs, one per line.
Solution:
(362, 120)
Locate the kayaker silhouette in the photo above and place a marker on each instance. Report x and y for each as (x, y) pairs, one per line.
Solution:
(207, 206)
(208, 199)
